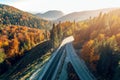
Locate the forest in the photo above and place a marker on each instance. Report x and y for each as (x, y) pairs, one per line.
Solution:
(15, 41)
(19, 32)
(97, 41)
(13, 16)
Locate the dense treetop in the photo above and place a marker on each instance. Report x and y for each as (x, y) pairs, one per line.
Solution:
(12, 16)
(15, 41)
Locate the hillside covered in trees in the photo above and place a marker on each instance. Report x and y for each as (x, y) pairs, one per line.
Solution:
(12, 16)
(19, 32)
(15, 41)
(101, 48)
(97, 41)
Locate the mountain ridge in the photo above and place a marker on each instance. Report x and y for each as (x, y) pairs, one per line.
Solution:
(83, 15)
(51, 15)
(13, 16)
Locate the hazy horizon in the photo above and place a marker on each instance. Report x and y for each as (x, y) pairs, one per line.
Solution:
(62, 5)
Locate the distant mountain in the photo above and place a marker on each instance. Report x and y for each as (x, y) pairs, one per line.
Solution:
(13, 16)
(51, 15)
(79, 16)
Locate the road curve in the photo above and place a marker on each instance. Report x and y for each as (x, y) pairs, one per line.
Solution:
(78, 64)
(54, 69)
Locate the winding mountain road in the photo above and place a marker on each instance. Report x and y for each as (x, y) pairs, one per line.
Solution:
(55, 69)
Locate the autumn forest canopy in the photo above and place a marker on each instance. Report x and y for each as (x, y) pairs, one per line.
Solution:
(12, 16)
(100, 40)
(19, 32)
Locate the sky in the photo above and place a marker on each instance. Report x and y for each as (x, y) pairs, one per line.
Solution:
(67, 6)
